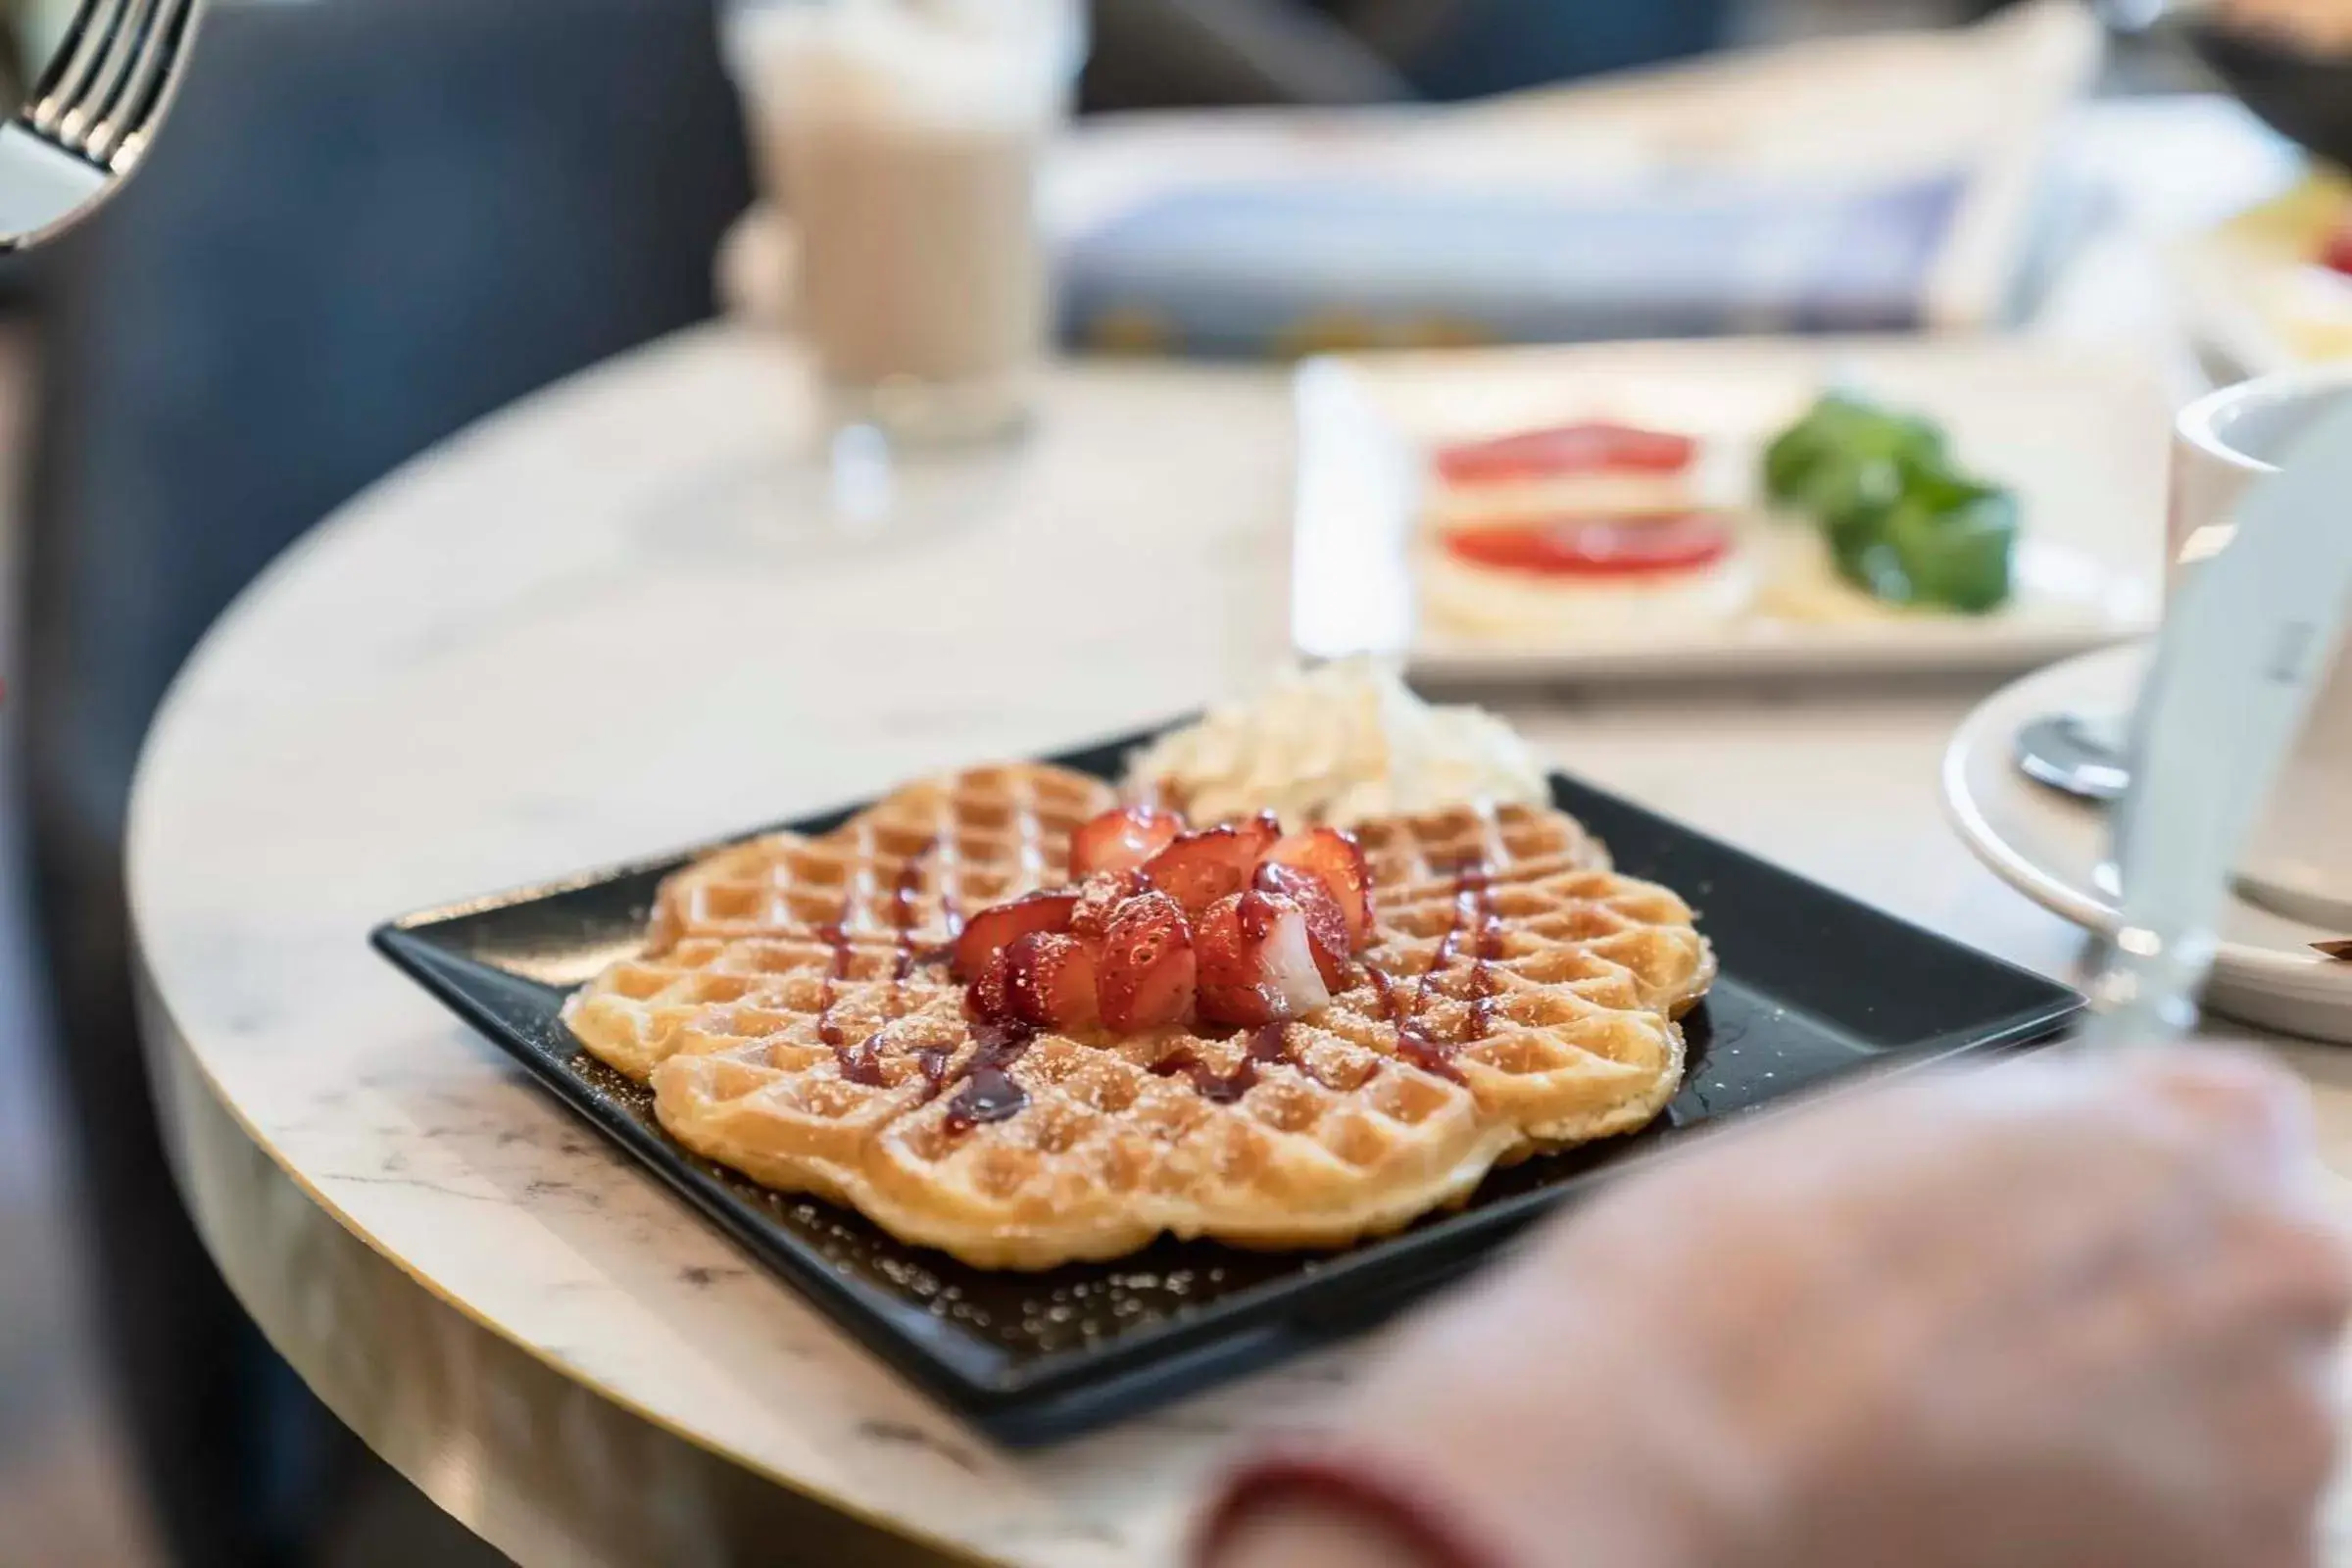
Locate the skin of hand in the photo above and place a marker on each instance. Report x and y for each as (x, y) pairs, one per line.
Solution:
(2060, 1311)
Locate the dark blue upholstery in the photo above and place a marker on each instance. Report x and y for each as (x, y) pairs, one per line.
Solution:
(367, 222)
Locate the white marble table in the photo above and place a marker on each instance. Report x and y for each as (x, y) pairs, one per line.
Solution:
(516, 659)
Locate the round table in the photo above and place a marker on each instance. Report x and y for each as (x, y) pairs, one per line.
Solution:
(523, 654)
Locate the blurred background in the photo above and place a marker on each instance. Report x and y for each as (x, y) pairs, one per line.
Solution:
(361, 231)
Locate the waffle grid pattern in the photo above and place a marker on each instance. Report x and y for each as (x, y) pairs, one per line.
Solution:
(915, 861)
(1528, 1004)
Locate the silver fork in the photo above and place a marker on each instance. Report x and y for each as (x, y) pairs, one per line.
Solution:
(90, 117)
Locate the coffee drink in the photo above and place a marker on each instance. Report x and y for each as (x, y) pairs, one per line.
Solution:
(902, 142)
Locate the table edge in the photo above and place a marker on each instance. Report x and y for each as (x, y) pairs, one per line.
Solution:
(468, 1416)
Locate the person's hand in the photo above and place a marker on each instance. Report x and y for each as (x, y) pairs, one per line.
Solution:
(2059, 1312)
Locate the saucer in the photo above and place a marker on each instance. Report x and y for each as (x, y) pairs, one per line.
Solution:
(2053, 848)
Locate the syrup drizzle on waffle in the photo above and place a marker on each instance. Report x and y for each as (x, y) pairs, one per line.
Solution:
(1486, 924)
(861, 1063)
(1267, 1044)
(990, 1093)
(902, 919)
(932, 1061)
(1482, 954)
(1473, 915)
(837, 969)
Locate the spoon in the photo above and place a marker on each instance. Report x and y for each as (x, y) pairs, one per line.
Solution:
(2076, 753)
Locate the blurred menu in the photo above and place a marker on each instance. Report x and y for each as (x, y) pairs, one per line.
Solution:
(1886, 183)
(1299, 269)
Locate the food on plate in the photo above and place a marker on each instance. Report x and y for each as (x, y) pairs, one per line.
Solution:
(1597, 547)
(1272, 1035)
(1591, 469)
(1579, 533)
(1801, 583)
(1578, 529)
(1847, 454)
(1900, 520)
(1342, 743)
(1537, 604)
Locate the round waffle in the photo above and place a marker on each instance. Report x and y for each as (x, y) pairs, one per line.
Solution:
(891, 884)
(798, 1023)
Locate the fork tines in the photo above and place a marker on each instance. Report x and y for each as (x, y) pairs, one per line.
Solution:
(111, 78)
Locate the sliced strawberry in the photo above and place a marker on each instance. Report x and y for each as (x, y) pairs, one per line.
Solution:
(1098, 899)
(990, 995)
(1338, 861)
(1262, 831)
(1592, 446)
(1144, 978)
(992, 929)
(1050, 981)
(1326, 926)
(1200, 869)
(1122, 840)
(1258, 965)
(1598, 545)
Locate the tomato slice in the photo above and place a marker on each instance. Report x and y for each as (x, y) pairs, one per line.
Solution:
(2337, 254)
(1598, 547)
(1593, 447)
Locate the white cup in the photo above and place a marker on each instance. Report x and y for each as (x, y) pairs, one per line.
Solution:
(2300, 861)
(901, 141)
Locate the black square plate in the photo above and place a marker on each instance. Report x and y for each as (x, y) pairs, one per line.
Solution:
(1814, 987)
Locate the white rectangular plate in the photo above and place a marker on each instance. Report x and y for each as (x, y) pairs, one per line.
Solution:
(2081, 437)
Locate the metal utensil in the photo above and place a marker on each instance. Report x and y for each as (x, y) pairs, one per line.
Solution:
(90, 116)
(2074, 753)
(2242, 648)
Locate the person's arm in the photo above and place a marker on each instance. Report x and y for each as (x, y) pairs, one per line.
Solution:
(2054, 1313)
(1306, 1534)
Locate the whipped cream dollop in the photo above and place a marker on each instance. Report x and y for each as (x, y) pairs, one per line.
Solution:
(1336, 744)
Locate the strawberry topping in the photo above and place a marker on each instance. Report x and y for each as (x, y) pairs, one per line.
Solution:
(1200, 869)
(1326, 926)
(1050, 981)
(1121, 839)
(994, 929)
(1337, 861)
(1235, 924)
(1256, 963)
(1145, 976)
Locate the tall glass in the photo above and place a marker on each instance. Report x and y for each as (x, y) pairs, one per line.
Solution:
(901, 140)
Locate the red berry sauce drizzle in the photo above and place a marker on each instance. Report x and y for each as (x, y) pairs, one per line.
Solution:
(1473, 917)
(837, 937)
(932, 1061)
(1266, 1044)
(861, 1063)
(990, 1093)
